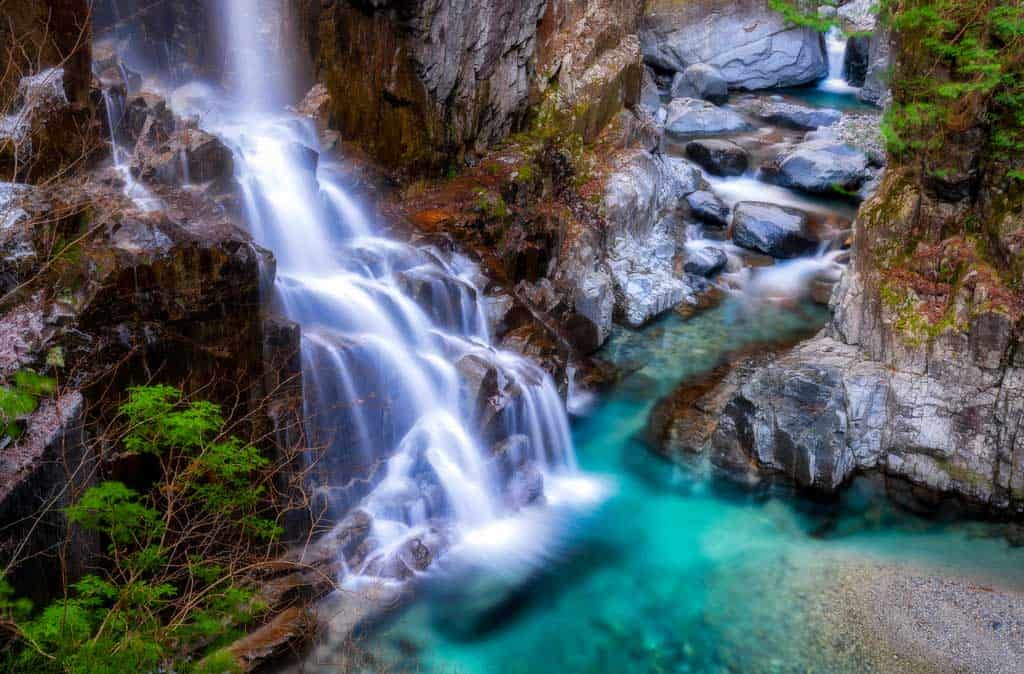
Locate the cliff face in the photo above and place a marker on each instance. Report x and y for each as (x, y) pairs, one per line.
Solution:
(919, 375)
(426, 84)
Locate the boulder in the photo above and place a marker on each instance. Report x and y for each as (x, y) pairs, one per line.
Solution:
(701, 81)
(775, 230)
(721, 157)
(704, 260)
(821, 166)
(753, 46)
(693, 118)
(790, 115)
(709, 208)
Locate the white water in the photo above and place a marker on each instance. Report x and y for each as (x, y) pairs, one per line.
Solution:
(135, 190)
(385, 326)
(835, 43)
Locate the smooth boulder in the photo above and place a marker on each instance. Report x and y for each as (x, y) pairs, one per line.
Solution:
(823, 166)
(768, 228)
(701, 81)
(693, 118)
(721, 157)
(753, 46)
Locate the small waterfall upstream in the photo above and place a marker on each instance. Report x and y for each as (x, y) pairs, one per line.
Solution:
(835, 45)
(395, 338)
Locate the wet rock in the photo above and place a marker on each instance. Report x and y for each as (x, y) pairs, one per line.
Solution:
(692, 118)
(750, 44)
(822, 166)
(189, 156)
(700, 81)
(721, 157)
(771, 229)
(790, 115)
(709, 209)
(704, 260)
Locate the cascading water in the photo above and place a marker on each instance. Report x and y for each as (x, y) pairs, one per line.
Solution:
(835, 43)
(391, 334)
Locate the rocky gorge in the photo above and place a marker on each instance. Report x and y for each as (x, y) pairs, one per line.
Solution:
(465, 272)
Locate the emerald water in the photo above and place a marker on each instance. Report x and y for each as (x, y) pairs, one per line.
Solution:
(678, 571)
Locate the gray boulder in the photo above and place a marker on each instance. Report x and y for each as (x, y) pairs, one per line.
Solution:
(751, 45)
(701, 81)
(693, 118)
(771, 229)
(704, 260)
(721, 157)
(821, 166)
(709, 209)
(790, 115)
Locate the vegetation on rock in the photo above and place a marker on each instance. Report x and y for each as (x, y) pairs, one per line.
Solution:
(176, 580)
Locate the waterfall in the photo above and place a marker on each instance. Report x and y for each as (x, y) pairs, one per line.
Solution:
(396, 352)
(835, 43)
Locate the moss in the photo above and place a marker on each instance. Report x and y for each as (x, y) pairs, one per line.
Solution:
(490, 204)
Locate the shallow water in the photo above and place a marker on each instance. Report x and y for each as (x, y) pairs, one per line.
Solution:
(678, 571)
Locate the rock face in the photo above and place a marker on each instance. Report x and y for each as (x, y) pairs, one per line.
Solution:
(693, 118)
(748, 42)
(881, 50)
(774, 230)
(424, 84)
(174, 296)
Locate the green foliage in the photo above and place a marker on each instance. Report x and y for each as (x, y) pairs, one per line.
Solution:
(491, 204)
(168, 588)
(962, 68)
(19, 400)
(795, 15)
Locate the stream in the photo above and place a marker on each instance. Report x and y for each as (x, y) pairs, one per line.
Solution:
(679, 571)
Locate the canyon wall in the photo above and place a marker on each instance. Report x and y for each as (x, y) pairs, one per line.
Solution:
(425, 85)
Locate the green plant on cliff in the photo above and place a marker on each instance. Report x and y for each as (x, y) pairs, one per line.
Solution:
(965, 71)
(174, 582)
(803, 14)
(19, 400)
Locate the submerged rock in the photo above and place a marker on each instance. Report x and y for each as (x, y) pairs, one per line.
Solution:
(693, 118)
(721, 157)
(775, 230)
